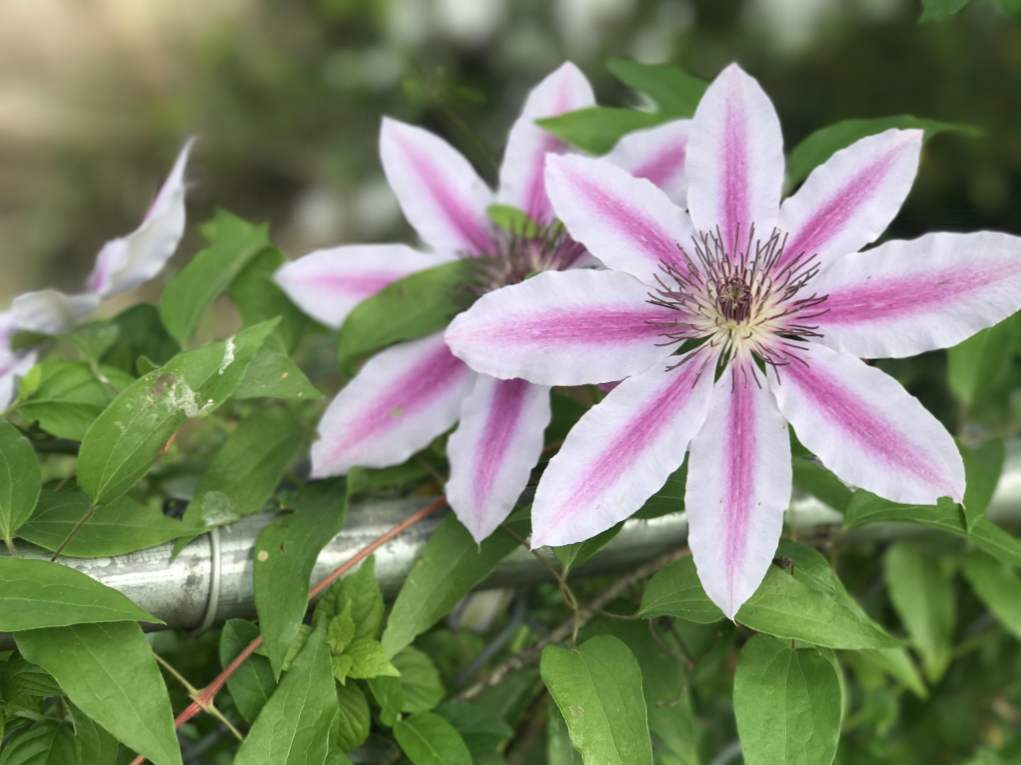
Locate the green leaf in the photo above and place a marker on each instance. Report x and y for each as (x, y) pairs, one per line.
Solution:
(127, 437)
(37, 593)
(108, 671)
(369, 659)
(70, 396)
(598, 128)
(389, 696)
(512, 220)
(421, 687)
(295, 726)
(983, 465)
(258, 298)
(233, 243)
(273, 374)
(559, 749)
(361, 592)
(788, 703)
(285, 554)
(20, 480)
(982, 364)
(922, 592)
(936, 10)
(428, 739)
(46, 743)
(409, 308)
(578, 553)
(820, 145)
(242, 475)
(598, 689)
(252, 685)
(354, 720)
(120, 527)
(866, 508)
(94, 339)
(998, 586)
(140, 333)
(676, 591)
(675, 92)
(451, 564)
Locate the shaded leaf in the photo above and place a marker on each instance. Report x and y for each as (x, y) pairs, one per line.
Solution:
(428, 739)
(935, 10)
(675, 92)
(354, 719)
(981, 365)
(982, 467)
(998, 586)
(597, 128)
(252, 685)
(273, 374)
(45, 743)
(676, 591)
(70, 396)
(258, 298)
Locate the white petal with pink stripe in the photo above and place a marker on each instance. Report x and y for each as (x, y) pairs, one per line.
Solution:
(621, 452)
(521, 173)
(562, 328)
(867, 429)
(626, 222)
(907, 297)
(439, 192)
(128, 261)
(657, 154)
(397, 403)
(850, 199)
(492, 452)
(740, 485)
(328, 284)
(735, 159)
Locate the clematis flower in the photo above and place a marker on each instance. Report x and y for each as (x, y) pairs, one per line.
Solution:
(732, 320)
(122, 264)
(409, 394)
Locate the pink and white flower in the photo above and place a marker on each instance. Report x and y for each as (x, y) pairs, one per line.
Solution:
(122, 264)
(409, 394)
(733, 319)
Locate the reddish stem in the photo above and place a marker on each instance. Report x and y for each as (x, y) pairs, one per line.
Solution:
(204, 698)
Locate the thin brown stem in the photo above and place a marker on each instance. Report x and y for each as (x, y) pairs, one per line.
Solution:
(74, 532)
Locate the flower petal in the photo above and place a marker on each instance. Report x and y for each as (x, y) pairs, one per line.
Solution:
(12, 364)
(562, 328)
(906, 297)
(849, 200)
(130, 260)
(521, 173)
(626, 222)
(439, 192)
(735, 159)
(328, 284)
(494, 449)
(657, 154)
(867, 429)
(51, 311)
(397, 403)
(739, 484)
(621, 452)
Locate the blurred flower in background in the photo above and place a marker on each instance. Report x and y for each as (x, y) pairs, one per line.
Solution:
(287, 98)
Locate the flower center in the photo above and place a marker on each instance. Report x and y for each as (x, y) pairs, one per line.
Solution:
(749, 302)
(523, 254)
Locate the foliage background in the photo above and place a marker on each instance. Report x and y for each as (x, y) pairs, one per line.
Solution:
(286, 96)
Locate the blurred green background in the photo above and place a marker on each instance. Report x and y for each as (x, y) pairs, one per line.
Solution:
(95, 99)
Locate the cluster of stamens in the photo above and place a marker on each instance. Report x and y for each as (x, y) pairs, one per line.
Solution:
(744, 300)
(524, 253)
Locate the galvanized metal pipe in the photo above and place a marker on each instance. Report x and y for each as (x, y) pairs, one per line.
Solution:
(211, 580)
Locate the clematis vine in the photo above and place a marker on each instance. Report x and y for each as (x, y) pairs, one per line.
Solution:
(731, 320)
(409, 394)
(122, 264)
